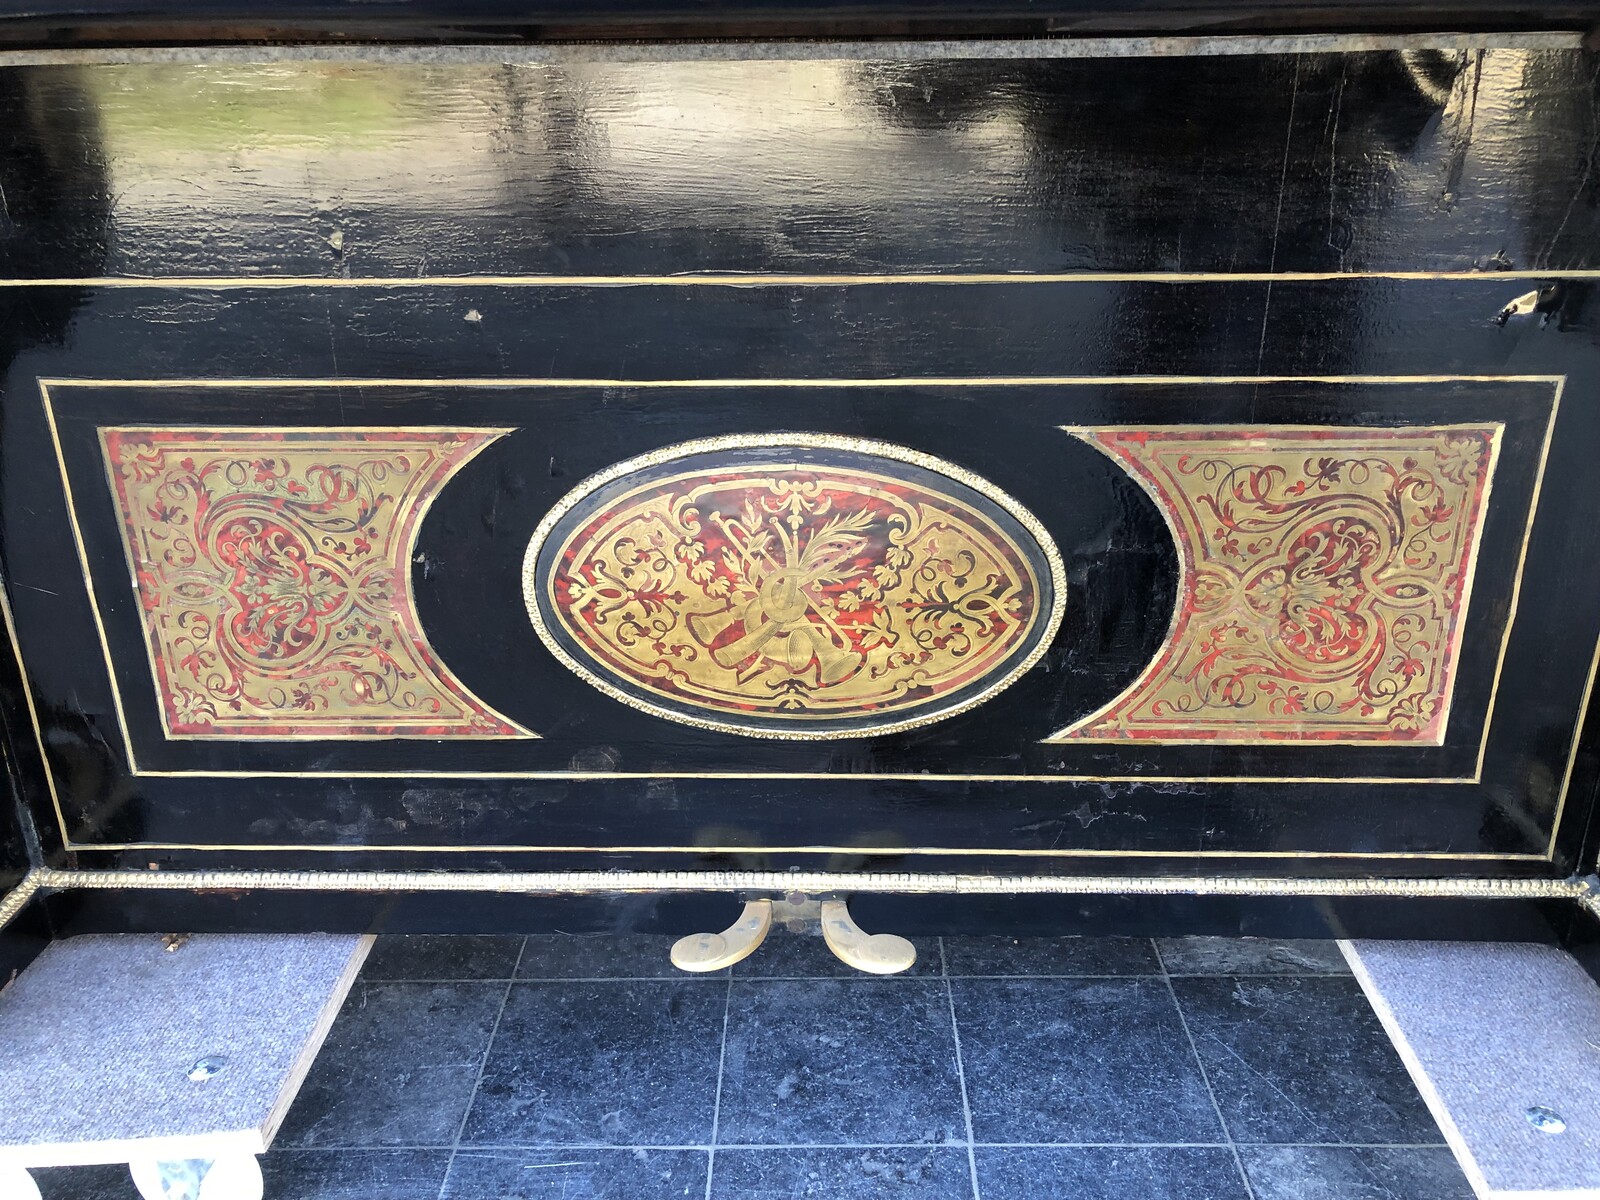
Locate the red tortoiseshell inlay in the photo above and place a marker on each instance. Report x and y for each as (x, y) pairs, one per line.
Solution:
(272, 569)
(1324, 586)
(764, 597)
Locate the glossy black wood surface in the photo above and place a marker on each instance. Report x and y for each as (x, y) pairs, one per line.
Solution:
(1379, 161)
(1189, 199)
(243, 911)
(15, 825)
(121, 22)
(22, 938)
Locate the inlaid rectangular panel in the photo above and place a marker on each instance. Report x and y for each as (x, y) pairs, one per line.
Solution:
(667, 581)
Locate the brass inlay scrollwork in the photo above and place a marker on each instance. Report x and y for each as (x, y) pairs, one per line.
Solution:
(764, 594)
(1325, 575)
(273, 576)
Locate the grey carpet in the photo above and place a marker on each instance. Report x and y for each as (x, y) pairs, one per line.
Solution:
(100, 1033)
(1488, 1031)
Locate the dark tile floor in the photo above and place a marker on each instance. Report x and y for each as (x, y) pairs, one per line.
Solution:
(563, 1068)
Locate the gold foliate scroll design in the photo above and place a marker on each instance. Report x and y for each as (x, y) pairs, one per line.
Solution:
(273, 576)
(869, 589)
(1325, 575)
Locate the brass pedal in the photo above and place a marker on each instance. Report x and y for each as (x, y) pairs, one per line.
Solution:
(701, 952)
(874, 953)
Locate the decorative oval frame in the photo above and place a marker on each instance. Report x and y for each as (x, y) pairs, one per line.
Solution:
(1048, 623)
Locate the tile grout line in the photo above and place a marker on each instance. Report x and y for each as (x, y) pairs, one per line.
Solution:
(716, 1103)
(961, 1071)
(1205, 1076)
(1164, 973)
(483, 1062)
(621, 1148)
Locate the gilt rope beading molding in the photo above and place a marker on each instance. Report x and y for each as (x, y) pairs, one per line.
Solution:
(1583, 890)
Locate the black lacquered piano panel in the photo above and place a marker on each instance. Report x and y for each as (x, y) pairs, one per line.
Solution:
(948, 465)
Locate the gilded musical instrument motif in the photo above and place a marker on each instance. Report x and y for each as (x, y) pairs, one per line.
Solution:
(273, 575)
(1325, 580)
(794, 587)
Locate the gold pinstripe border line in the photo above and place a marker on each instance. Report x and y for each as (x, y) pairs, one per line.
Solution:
(741, 279)
(184, 384)
(855, 851)
(524, 382)
(933, 381)
(899, 50)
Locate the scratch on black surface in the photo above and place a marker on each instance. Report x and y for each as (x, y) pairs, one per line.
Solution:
(1277, 218)
(1333, 161)
(333, 354)
(1588, 168)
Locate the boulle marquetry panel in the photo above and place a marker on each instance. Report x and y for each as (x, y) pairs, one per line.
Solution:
(811, 588)
(1325, 581)
(1018, 465)
(273, 572)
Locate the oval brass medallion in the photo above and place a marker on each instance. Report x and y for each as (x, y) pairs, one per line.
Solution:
(793, 586)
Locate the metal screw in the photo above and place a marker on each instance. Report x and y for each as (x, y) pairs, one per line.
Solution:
(1546, 1120)
(206, 1068)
